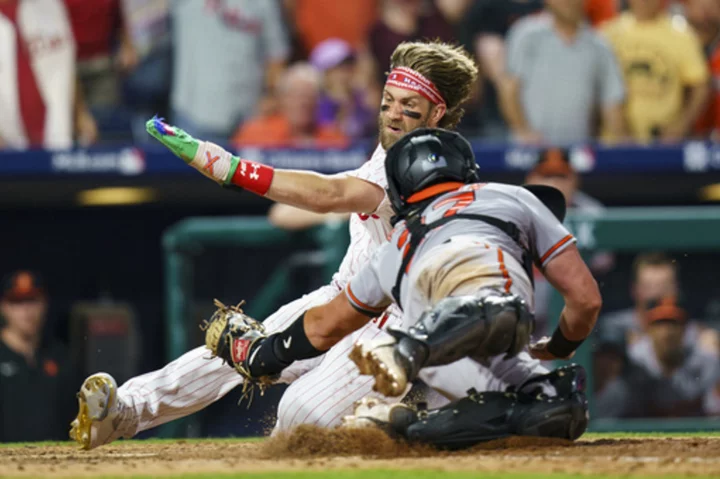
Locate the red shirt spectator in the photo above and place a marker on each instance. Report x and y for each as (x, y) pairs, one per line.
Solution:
(709, 122)
(704, 16)
(318, 20)
(94, 23)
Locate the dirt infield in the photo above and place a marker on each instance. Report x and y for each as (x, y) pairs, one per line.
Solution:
(310, 449)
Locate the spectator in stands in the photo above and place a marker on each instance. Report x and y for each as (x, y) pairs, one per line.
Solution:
(560, 74)
(682, 375)
(317, 20)
(554, 169)
(655, 275)
(617, 382)
(36, 378)
(704, 16)
(664, 68)
(41, 103)
(342, 102)
(147, 88)
(295, 125)
(98, 25)
(399, 21)
(483, 31)
(661, 375)
(228, 56)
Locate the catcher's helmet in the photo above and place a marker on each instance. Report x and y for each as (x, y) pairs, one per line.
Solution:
(426, 157)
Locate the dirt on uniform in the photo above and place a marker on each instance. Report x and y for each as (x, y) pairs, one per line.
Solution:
(310, 448)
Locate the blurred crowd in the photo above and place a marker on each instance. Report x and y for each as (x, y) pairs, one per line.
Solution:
(283, 73)
(653, 360)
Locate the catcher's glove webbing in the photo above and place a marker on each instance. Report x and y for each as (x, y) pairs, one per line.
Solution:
(231, 335)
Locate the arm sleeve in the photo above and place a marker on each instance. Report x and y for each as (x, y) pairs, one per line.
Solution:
(364, 292)
(274, 34)
(548, 236)
(612, 86)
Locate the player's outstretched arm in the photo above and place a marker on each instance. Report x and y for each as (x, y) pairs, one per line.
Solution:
(310, 335)
(569, 274)
(302, 189)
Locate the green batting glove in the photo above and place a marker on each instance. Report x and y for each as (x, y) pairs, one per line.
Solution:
(175, 139)
(212, 161)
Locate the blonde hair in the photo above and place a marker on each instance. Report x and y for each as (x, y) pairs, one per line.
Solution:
(449, 67)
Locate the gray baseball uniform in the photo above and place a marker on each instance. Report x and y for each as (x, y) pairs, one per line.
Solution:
(463, 256)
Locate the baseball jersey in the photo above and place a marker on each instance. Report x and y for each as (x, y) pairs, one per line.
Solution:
(367, 231)
(540, 233)
(45, 29)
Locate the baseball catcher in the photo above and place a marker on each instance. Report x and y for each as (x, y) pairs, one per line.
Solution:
(459, 265)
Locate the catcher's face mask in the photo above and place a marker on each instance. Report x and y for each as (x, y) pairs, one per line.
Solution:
(423, 158)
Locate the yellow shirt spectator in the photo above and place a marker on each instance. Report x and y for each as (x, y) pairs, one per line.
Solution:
(659, 59)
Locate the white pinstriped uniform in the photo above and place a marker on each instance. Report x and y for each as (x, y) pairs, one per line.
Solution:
(322, 389)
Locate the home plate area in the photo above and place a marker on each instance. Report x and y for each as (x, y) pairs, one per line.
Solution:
(309, 450)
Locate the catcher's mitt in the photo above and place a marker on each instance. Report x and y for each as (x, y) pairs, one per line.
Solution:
(231, 335)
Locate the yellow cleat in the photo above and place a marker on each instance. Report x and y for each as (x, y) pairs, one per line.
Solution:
(98, 412)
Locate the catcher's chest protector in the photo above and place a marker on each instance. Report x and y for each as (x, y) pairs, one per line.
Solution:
(418, 230)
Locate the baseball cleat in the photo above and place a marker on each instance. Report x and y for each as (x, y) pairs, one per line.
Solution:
(373, 412)
(99, 412)
(378, 359)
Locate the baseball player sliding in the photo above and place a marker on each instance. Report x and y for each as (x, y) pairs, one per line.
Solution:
(426, 88)
(459, 263)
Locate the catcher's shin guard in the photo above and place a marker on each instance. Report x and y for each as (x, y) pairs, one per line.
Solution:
(482, 417)
(465, 326)
(463, 423)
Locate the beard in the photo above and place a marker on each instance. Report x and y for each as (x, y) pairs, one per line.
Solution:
(387, 138)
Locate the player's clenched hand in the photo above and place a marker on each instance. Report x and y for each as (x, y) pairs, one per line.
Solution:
(538, 350)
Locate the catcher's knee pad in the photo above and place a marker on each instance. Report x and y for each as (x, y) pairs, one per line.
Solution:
(465, 326)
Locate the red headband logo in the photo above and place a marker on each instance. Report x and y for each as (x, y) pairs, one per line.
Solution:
(409, 79)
